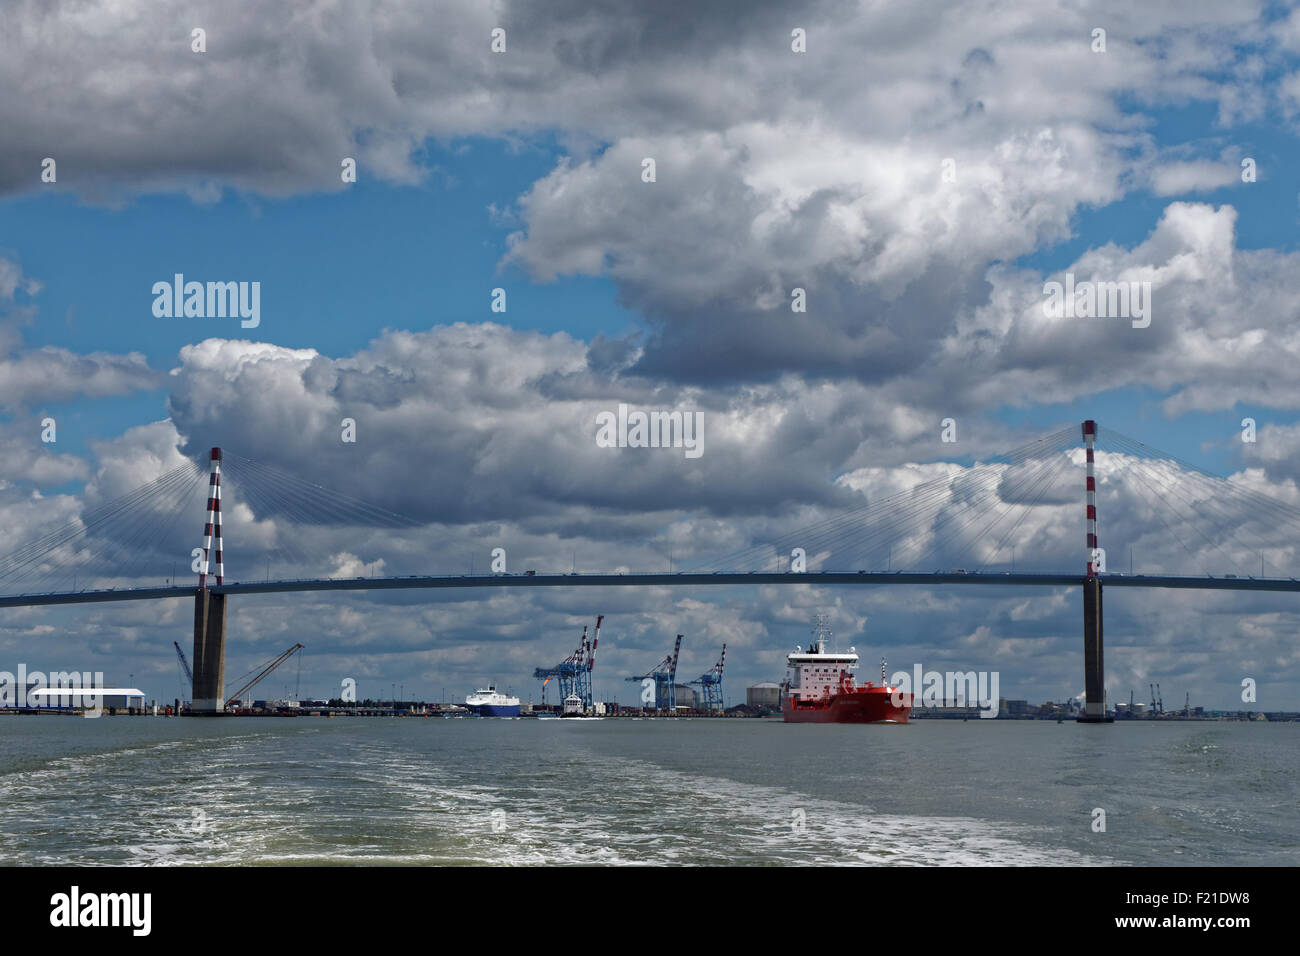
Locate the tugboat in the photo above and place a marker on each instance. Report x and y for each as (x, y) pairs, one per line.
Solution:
(490, 703)
(823, 689)
(572, 706)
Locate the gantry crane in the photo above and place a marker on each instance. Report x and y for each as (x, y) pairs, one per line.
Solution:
(664, 674)
(711, 683)
(574, 672)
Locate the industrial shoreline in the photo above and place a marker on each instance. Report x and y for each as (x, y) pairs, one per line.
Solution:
(454, 712)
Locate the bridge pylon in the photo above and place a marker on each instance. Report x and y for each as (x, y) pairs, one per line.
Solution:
(210, 609)
(1094, 667)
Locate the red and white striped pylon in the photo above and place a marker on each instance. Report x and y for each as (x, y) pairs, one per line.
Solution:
(1089, 436)
(212, 530)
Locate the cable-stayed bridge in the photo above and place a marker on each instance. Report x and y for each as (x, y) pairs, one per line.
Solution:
(1012, 519)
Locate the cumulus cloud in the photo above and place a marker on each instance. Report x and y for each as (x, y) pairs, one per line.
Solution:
(28, 459)
(476, 390)
(12, 280)
(487, 435)
(823, 170)
(284, 90)
(1223, 324)
(1175, 179)
(52, 375)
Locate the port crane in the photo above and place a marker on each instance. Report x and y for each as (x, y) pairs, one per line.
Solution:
(574, 672)
(664, 674)
(586, 662)
(237, 695)
(711, 684)
(185, 666)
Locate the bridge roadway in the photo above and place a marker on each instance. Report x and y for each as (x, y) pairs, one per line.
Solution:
(663, 578)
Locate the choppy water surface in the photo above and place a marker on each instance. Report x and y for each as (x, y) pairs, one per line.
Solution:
(479, 791)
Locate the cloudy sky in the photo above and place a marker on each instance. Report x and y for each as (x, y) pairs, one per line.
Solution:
(920, 172)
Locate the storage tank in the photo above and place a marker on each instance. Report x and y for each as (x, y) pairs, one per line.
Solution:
(766, 696)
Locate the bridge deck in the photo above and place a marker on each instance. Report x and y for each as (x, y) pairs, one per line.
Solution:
(662, 579)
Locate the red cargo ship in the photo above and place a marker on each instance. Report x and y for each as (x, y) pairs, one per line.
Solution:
(823, 690)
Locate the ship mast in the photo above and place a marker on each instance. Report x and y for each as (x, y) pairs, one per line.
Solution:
(821, 629)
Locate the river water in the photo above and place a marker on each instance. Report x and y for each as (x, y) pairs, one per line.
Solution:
(123, 790)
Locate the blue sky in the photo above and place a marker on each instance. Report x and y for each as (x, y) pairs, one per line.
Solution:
(335, 269)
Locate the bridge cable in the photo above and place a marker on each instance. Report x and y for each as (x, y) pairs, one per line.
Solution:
(927, 498)
(34, 550)
(26, 562)
(1211, 505)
